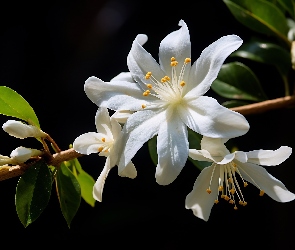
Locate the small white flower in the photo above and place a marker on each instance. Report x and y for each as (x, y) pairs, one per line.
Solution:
(106, 142)
(19, 155)
(21, 130)
(168, 97)
(221, 178)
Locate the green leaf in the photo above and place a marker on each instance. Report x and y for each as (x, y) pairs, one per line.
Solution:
(33, 192)
(69, 192)
(267, 53)
(260, 16)
(195, 143)
(13, 104)
(237, 81)
(289, 6)
(152, 146)
(86, 182)
(234, 103)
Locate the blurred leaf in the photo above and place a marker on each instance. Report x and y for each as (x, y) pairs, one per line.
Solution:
(86, 183)
(195, 143)
(33, 192)
(152, 145)
(13, 104)
(267, 53)
(234, 103)
(237, 81)
(69, 192)
(260, 16)
(289, 6)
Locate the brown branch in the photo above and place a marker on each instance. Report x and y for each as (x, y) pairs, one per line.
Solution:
(7, 172)
(265, 105)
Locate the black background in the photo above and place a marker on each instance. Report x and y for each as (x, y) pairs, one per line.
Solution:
(47, 51)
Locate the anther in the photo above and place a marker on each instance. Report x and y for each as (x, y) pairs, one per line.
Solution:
(208, 190)
(149, 85)
(187, 60)
(143, 106)
(261, 193)
(173, 59)
(182, 83)
(244, 203)
(173, 63)
(100, 149)
(220, 188)
(232, 191)
(148, 75)
(103, 139)
(245, 184)
(216, 201)
(226, 197)
(235, 207)
(231, 202)
(146, 93)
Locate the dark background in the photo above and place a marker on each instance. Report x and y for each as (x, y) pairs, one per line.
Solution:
(47, 51)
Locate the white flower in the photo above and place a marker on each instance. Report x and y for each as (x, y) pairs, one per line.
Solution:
(221, 178)
(168, 97)
(19, 155)
(105, 142)
(21, 130)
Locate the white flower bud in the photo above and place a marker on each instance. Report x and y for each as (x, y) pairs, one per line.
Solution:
(22, 154)
(21, 130)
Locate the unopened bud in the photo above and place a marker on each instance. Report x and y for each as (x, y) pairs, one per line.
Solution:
(22, 154)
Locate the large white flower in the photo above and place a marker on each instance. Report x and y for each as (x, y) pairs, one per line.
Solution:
(167, 97)
(221, 178)
(105, 142)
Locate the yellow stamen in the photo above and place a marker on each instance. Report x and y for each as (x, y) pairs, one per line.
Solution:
(143, 106)
(149, 85)
(182, 83)
(148, 75)
(244, 203)
(235, 208)
(216, 201)
(226, 197)
(174, 63)
(231, 202)
(220, 188)
(146, 93)
(232, 191)
(187, 60)
(103, 139)
(173, 59)
(208, 191)
(100, 149)
(261, 193)
(245, 184)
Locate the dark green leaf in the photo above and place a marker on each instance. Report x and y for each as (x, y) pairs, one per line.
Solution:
(33, 192)
(237, 81)
(234, 103)
(260, 16)
(289, 6)
(69, 192)
(13, 104)
(267, 53)
(152, 145)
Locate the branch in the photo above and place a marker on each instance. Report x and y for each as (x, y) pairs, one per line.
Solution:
(266, 105)
(7, 172)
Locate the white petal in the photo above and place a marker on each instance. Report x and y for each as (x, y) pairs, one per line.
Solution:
(198, 199)
(122, 115)
(116, 128)
(102, 121)
(205, 70)
(139, 128)
(123, 76)
(215, 146)
(241, 156)
(140, 62)
(199, 155)
(21, 154)
(269, 184)
(116, 95)
(177, 44)
(207, 117)
(172, 149)
(269, 157)
(99, 184)
(129, 171)
(87, 143)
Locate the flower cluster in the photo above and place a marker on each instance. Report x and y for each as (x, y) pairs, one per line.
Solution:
(163, 99)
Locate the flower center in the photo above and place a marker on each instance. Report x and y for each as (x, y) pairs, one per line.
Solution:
(167, 89)
(105, 145)
(229, 188)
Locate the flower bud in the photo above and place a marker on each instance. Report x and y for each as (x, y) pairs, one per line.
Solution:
(21, 130)
(22, 154)
(5, 160)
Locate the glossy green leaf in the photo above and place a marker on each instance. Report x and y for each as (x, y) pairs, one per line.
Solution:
(86, 182)
(289, 6)
(260, 16)
(237, 81)
(234, 103)
(152, 146)
(33, 192)
(195, 143)
(13, 104)
(69, 192)
(267, 53)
